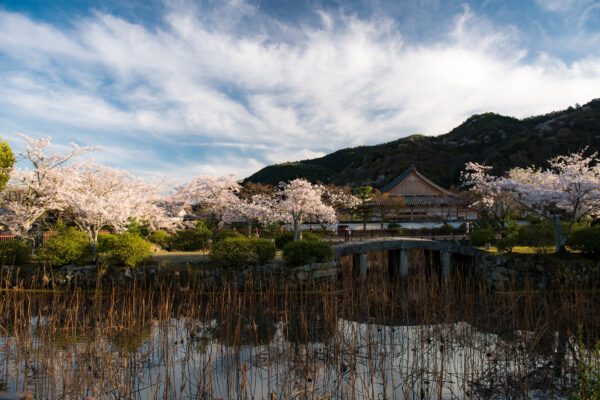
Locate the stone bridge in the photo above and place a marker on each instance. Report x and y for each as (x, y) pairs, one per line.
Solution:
(397, 252)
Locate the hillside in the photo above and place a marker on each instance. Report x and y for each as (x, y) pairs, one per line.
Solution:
(496, 140)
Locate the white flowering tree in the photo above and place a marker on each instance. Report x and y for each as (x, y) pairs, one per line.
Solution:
(262, 209)
(98, 197)
(301, 201)
(216, 196)
(565, 193)
(33, 192)
(340, 198)
(488, 197)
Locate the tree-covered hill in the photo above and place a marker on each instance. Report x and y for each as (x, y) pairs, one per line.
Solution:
(496, 140)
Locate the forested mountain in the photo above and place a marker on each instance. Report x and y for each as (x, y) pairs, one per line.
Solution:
(496, 140)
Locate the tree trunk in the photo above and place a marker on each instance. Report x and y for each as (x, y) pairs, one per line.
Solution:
(560, 353)
(94, 248)
(561, 239)
(297, 233)
(93, 235)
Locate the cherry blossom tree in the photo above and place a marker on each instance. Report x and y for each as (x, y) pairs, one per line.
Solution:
(300, 201)
(339, 198)
(488, 197)
(564, 193)
(34, 192)
(262, 209)
(98, 197)
(215, 195)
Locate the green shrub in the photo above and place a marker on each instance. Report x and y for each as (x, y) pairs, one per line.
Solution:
(219, 236)
(160, 238)
(129, 249)
(264, 249)
(323, 252)
(283, 239)
(510, 227)
(507, 243)
(14, 252)
(302, 252)
(586, 240)
(272, 230)
(106, 242)
(310, 236)
(538, 235)
(140, 228)
(481, 236)
(205, 225)
(69, 246)
(190, 239)
(234, 252)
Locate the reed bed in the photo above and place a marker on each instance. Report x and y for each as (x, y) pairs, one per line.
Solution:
(422, 337)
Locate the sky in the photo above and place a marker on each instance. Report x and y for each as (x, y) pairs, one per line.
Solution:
(178, 88)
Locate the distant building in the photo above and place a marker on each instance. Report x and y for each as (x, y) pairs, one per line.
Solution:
(413, 197)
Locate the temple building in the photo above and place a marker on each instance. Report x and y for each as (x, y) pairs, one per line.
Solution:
(413, 197)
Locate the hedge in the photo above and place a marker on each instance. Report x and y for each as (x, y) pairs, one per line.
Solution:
(190, 239)
(302, 252)
(127, 249)
(217, 237)
(69, 246)
(283, 239)
(160, 238)
(234, 252)
(586, 240)
(14, 252)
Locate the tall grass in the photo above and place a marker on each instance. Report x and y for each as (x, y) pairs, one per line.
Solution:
(422, 337)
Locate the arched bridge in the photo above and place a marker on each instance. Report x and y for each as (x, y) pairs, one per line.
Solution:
(397, 250)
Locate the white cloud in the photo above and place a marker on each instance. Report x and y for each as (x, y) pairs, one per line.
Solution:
(562, 5)
(290, 94)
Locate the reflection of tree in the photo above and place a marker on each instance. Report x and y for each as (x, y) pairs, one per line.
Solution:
(305, 323)
(129, 339)
(247, 328)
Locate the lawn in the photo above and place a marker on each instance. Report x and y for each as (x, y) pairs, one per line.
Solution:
(521, 250)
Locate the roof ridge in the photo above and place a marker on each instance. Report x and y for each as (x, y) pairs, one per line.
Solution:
(403, 176)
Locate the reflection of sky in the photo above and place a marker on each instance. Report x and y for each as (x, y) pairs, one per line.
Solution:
(362, 360)
(182, 88)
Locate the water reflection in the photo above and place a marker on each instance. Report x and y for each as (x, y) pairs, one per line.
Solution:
(422, 341)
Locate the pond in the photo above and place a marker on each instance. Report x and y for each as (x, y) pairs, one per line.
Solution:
(418, 339)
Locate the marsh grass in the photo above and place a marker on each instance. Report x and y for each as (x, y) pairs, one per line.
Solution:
(422, 337)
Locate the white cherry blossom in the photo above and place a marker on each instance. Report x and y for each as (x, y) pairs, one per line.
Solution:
(301, 201)
(564, 193)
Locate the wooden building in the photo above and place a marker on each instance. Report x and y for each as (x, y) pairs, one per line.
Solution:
(413, 197)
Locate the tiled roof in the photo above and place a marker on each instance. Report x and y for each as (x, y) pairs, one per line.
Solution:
(403, 176)
(417, 200)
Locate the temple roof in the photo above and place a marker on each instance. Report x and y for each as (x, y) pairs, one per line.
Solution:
(417, 200)
(412, 173)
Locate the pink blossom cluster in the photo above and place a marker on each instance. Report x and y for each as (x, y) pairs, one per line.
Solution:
(96, 197)
(566, 192)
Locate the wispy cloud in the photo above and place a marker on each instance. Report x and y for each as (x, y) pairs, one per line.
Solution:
(275, 91)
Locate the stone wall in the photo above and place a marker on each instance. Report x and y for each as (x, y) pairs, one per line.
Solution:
(535, 271)
(182, 276)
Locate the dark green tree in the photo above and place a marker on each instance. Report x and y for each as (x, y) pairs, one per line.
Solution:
(7, 159)
(364, 194)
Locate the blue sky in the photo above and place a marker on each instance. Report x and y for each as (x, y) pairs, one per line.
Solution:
(179, 88)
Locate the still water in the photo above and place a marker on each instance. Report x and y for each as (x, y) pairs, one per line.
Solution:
(325, 343)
